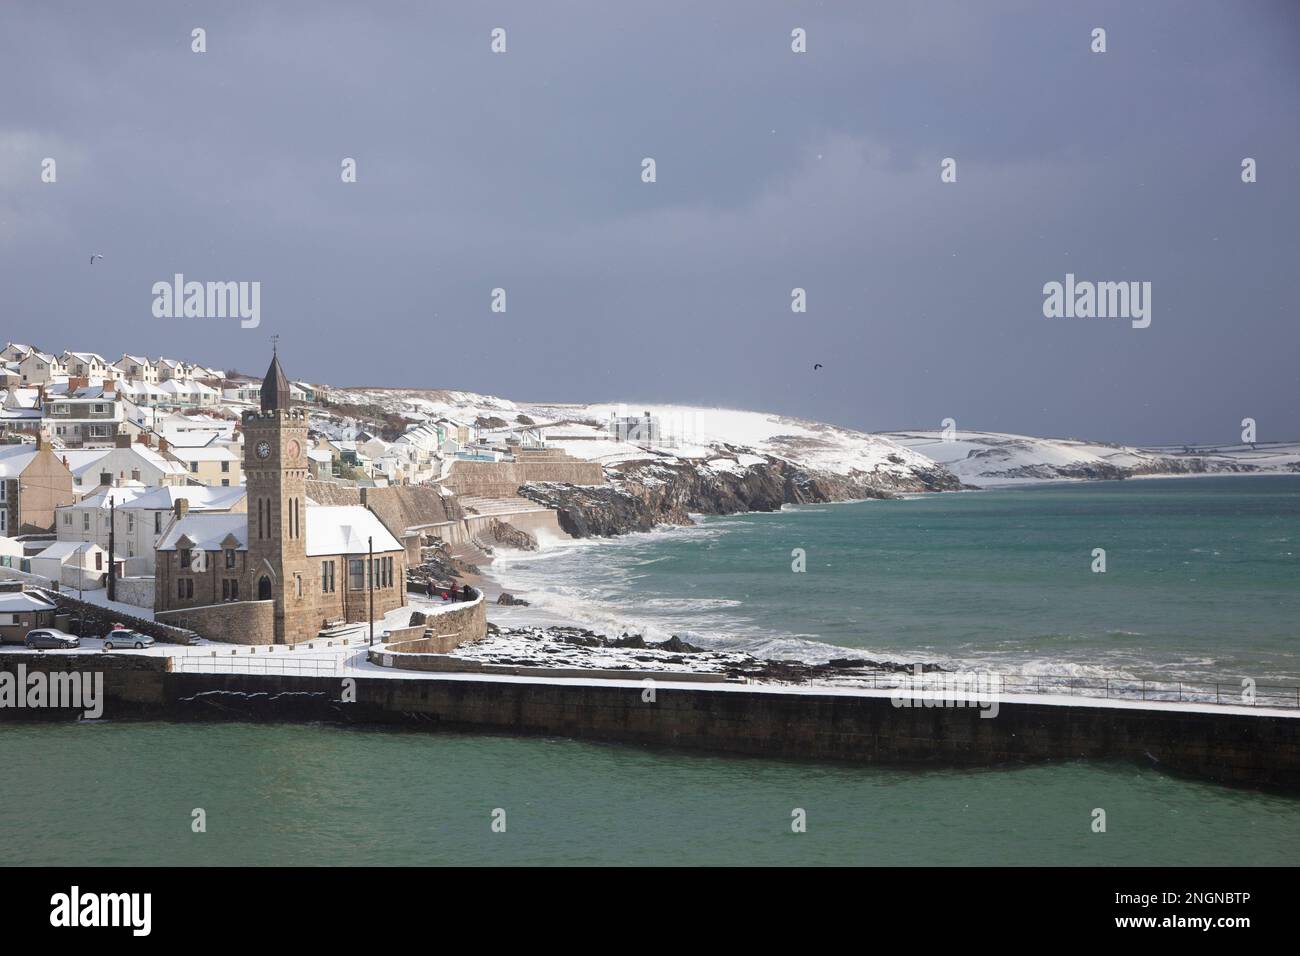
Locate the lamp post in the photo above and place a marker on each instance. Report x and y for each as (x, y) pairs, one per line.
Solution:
(370, 576)
(112, 549)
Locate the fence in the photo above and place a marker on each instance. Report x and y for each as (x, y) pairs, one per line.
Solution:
(987, 683)
(236, 664)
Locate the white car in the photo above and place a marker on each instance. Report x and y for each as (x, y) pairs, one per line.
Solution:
(125, 637)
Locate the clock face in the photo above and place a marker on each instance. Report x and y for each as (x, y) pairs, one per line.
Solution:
(264, 449)
(293, 448)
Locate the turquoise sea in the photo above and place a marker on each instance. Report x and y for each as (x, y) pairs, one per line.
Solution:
(1201, 580)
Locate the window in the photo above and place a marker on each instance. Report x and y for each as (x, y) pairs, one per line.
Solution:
(297, 584)
(185, 587)
(327, 577)
(194, 466)
(225, 467)
(185, 557)
(4, 490)
(225, 482)
(230, 557)
(99, 561)
(67, 519)
(98, 431)
(130, 522)
(157, 522)
(99, 409)
(230, 589)
(135, 474)
(85, 521)
(356, 575)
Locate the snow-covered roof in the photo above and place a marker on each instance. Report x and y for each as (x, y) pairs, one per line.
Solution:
(121, 498)
(343, 529)
(200, 497)
(21, 602)
(205, 453)
(62, 550)
(14, 459)
(208, 532)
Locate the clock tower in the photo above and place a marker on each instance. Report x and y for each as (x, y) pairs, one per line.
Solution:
(275, 474)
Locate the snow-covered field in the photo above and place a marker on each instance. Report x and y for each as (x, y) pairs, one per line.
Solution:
(721, 439)
(992, 458)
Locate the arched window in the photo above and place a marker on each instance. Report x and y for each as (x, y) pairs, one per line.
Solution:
(264, 588)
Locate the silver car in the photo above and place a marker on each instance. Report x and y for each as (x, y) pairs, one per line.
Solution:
(51, 638)
(125, 637)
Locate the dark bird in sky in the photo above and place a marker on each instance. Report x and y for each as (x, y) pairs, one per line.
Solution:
(98, 255)
(817, 366)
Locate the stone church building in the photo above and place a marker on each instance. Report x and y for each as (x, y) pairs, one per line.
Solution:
(286, 568)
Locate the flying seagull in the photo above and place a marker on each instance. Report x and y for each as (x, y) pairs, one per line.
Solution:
(817, 366)
(98, 255)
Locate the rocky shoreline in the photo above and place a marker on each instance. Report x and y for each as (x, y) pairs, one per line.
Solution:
(643, 494)
(566, 646)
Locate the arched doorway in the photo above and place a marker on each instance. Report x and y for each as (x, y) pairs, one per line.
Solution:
(264, 588)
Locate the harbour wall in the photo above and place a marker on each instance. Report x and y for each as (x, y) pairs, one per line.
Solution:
(1255, 750)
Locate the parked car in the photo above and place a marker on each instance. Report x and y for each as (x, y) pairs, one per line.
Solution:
(51, 638)
(125, 637)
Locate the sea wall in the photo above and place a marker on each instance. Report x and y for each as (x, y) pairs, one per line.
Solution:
(131, 681)
(441, 632)
(1258, 750)
(498, 479)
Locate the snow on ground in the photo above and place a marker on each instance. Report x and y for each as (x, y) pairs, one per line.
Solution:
(987, 458)
(735, 438)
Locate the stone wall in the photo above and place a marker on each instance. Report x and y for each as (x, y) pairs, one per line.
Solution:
(445, 631)
(129, 679)
(95, 620)
(499, 479)
(138, 591)
(238, 622)
(398, 507)
(1259, 750)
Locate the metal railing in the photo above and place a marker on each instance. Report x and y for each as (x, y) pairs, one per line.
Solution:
(1112, 688)
(235, 664)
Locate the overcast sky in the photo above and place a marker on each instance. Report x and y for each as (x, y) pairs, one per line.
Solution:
(820, 170)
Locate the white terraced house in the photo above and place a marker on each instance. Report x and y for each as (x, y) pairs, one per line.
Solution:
(86, 365)
(137, 368)
(174, 369)
(15, 352)
(40, 368)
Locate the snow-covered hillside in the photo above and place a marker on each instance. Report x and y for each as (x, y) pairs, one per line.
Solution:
(991, 458)
(720, 440)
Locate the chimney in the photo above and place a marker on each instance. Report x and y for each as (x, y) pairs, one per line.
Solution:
(105, 478)
(182, 507)
(121, 440)
(363, 497)
(163, 443)
(75, 382)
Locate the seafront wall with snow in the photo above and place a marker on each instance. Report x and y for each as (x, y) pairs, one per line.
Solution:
(1231, 745)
